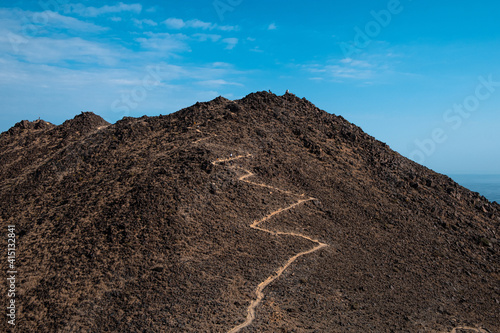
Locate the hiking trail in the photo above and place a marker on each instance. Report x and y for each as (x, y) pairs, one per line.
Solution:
(473, 329)
(256, 225)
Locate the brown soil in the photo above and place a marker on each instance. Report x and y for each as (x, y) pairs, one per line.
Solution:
(264, 214)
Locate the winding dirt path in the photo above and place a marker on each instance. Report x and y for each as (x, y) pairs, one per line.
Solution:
(205, 138)
(255, 225)
(472, 329)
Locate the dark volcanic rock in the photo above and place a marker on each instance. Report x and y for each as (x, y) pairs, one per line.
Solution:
(131, 227)
(28, 145)
(84, 123)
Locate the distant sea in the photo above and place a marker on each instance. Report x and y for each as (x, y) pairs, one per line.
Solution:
(486, 185)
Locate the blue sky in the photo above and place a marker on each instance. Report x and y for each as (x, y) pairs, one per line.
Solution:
(422, 76)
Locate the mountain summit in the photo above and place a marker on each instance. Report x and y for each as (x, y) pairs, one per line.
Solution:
(264, 214)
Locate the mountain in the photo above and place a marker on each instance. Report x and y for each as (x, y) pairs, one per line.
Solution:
(264, 214)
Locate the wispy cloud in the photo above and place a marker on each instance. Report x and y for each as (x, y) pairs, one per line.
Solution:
(144, 22)
(256, 49)
(272, 26)
(164, 42)
(369, 70)
(176, 23)
(206, 37)
(200, 25)
(230, 43)
(26, 23)
(341, 71)
(71, 23)
(218, 83)
(73, 50)
(356, 63)
(85, 11)
(227, 27)
(53, 41)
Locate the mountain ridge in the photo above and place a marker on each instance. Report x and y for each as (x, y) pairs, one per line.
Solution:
(145, 225)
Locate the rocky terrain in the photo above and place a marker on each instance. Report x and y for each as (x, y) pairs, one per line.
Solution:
(263, 214)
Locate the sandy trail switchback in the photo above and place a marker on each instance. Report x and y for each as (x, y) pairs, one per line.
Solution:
(256, 225)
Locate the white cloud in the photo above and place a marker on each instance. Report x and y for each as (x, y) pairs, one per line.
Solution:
(272, 26)
(164, 42)
(218, 83)
(371, 69)
(45, 50)
(227, 27)
(231, 43)
(49, 41)
(200, 24)
(345, 69)
(221, 65)
(134, 76)
(205, 37)
(55, 19)
(348, 72)
(356, 63)
(33, 24)
(176, 23)
(142, 23)
(337, 71)
(82, 10)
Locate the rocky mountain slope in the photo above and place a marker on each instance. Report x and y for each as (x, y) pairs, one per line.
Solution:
(263, 214)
